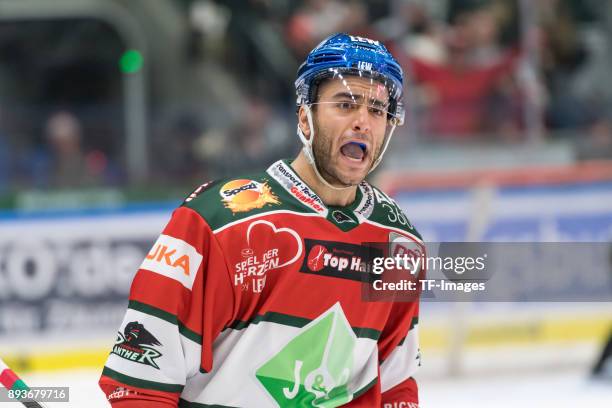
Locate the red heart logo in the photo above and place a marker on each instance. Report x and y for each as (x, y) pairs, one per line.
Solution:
(263, 236)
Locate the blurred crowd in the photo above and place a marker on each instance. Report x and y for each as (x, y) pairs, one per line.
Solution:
(479, 71)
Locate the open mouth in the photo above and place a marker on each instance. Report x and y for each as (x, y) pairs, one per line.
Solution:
(355, 151)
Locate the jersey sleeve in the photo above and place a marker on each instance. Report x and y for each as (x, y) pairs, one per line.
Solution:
(400, 356)
(180, 300)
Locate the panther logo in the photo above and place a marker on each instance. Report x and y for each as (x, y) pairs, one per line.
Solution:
(136, 335)
(137, 344)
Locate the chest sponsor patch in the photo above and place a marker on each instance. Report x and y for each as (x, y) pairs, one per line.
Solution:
(316, 367)
(339, 259)
(366, 206)
(401, 245)
(266, 247)
(174, 258)
(246, 195)
(287, 178)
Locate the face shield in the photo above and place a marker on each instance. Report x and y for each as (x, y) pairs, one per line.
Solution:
(355, 88)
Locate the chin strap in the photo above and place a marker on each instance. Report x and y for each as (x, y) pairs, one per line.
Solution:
(307, 149)
(385, 145)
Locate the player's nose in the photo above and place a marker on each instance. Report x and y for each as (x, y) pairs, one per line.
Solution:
(362, 120)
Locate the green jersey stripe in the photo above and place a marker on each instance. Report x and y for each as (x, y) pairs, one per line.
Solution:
(273, 317)
(413, 322)
(166, 316)
(137, 382)
(190, 334)
(363, 390)
(153, 311)
(295, 321)
(367, 333)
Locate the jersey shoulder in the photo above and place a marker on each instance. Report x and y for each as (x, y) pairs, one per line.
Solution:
(223, 201)
(387, 212)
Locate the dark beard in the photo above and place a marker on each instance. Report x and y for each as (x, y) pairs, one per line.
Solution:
(322, 155)
(321, 149)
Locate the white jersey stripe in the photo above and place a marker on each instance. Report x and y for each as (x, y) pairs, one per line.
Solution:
(252, 217)
(402, 363)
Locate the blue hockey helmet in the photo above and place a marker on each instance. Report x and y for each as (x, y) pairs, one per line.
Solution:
(343, 54)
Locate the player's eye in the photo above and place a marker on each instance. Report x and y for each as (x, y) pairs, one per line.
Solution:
(377, 111)
(345, 105)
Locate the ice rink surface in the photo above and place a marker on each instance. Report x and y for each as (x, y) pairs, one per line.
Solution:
(560, 389)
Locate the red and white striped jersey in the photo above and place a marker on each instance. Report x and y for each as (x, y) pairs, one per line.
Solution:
(252, 296)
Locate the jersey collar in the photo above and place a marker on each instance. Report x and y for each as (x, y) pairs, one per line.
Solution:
(283, 173)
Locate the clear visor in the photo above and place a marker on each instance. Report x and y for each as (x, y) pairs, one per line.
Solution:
(354, 91)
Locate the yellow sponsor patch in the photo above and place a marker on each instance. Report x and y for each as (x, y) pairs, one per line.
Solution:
(245, 195)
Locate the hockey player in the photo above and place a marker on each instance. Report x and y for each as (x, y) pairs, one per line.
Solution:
(253, 294)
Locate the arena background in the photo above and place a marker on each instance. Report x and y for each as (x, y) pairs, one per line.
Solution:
(112, 111)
